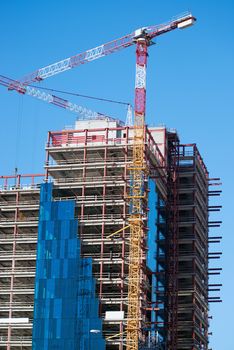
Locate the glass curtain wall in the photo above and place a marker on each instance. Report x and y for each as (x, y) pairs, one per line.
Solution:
(65, 305)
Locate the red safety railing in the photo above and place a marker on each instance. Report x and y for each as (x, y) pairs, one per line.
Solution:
(24, 181)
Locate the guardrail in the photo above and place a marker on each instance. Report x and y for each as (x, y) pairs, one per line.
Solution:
(19, 187)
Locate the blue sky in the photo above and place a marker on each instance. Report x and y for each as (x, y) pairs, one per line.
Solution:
(190, 80)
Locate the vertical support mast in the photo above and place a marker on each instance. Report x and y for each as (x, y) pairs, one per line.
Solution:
(140, 84)
(138, 173)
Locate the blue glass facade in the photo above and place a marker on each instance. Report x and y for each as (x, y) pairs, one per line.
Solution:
(65, 305)
(151, 239)
(161, 271)
(155, 262)
(151, 243)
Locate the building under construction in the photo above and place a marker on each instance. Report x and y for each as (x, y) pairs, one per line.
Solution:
(89, 167)
(109, 248)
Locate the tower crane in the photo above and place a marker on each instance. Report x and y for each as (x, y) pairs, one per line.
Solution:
(142, 38)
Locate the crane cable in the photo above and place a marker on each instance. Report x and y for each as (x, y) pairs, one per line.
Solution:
(129, 118)
(35, 133)
(81, 95)
(18, 131)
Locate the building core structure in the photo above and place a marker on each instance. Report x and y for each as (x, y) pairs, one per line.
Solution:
(89, 167)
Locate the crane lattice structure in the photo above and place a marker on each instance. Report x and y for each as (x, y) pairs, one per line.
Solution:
(142, 38)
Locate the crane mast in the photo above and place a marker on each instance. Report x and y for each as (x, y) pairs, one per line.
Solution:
(138, 173)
